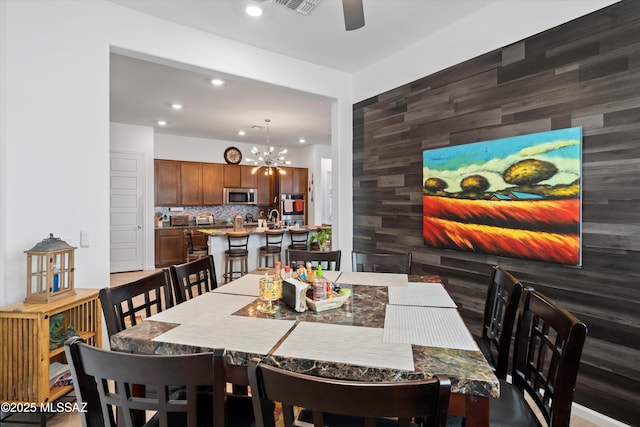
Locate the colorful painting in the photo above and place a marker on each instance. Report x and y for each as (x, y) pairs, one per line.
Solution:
(516, 197)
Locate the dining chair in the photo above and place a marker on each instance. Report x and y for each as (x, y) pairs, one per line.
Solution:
(126, 305)
(330, 260)
(382, 262)
(333, 402)
(190, 388)
(194, 252)
(500, 311)
(272, 247)
(299, 239)
(193, 278)
(546, 357)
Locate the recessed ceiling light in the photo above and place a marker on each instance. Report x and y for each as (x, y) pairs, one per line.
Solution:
(162, 123)
(253, 10)
(302, 140)
(176, 106)
(241, 133)
(217, 82)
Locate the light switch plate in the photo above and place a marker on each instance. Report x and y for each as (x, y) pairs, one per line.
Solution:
(84, 238)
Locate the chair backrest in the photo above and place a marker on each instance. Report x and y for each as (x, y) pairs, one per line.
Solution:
(548, 348)
(427, 399)
(273, 238)
(382, 263)
(188, 236)
(238, 243)
(299, 239)
(94, 370)
(193, 278)
(500, 311)
(125, 305)
(330, 260)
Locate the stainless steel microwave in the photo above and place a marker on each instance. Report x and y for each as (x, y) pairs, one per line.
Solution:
(240, 196)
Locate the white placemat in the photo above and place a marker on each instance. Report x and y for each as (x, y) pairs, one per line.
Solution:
(203, 310)
(427, 326)
(331, 275)
(373, 279)
(421, 294)
(245, 285)
(248, 334)
(345, 344)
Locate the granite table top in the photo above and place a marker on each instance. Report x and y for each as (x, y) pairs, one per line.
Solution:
(351, 342)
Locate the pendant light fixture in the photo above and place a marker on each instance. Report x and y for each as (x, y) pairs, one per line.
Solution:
(268, 160)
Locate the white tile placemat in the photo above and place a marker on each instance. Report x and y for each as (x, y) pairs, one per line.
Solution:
(203, 310)
(373, 279)
(421, 294)
(248, 334)
(345, 344)
(245, 285)
(331, 275)
(427, 326)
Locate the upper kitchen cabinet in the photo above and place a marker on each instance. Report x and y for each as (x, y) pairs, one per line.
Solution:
(236, 176)
(167, 182)
(212, 183)
(265, 189)
(190, 184)
(294, 182)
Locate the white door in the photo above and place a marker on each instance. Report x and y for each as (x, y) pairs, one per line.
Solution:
(127, 211)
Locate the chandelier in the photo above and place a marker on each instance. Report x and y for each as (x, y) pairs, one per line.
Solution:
(268, 160)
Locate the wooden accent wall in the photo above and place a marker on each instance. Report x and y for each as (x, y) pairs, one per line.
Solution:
(583, 73)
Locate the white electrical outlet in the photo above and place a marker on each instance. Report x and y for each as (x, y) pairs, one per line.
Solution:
(84, 238)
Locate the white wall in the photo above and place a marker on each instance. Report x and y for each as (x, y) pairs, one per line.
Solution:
(55, 117)
(499, 24)
(139, 139)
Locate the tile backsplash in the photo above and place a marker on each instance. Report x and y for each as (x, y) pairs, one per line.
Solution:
(220, 213)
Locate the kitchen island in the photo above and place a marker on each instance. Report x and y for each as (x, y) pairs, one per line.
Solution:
(218, 244)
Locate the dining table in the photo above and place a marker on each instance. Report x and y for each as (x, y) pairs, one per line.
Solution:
(390, 329)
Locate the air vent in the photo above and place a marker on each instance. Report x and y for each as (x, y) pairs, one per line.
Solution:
(301, 6)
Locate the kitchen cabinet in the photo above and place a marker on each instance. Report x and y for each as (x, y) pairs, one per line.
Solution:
(212, 184)
(248, 179)
(170, 247)
(26, 352)
(237, 176)
(190, 184)
(265, 190)
(167, 182)
(294, 182)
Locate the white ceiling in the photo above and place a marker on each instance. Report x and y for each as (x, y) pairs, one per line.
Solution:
(142, 91)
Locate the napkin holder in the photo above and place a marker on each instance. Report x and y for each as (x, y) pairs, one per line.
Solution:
(294, 294)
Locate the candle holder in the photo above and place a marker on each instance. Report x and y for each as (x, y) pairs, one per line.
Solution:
(270, 290)
(50, 268)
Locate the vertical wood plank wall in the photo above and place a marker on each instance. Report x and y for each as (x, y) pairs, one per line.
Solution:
(583, 73)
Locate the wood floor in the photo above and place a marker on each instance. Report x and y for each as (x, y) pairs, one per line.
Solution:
(73, 419)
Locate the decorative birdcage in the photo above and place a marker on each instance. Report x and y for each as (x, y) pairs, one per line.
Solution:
(50, 267)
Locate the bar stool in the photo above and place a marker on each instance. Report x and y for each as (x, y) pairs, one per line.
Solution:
(238, 251)
(299, 239)
(272, 247)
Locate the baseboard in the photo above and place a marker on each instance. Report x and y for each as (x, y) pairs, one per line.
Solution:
(594, 417)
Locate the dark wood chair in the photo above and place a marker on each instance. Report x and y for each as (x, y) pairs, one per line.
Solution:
(106, 381)
(329, 260)
(194, 252)
(382, 262)
(193, 278)
(238, 251)
(500, 311)
(299, 239)
(272, 247)
(332, 402)
(546, 357)
(126, 305)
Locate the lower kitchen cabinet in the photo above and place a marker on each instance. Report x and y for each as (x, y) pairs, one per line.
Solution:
(170, 247)
(27, 351)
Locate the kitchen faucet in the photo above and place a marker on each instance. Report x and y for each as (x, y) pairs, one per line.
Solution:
(277, 215)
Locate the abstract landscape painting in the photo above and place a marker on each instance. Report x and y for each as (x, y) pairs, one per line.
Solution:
(517, 197)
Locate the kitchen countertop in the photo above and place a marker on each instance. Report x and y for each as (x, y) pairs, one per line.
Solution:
(221, 224)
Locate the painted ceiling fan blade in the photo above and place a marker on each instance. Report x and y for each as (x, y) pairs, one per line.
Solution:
(353, 14)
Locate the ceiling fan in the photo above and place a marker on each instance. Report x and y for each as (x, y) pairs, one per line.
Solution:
(352, 9)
